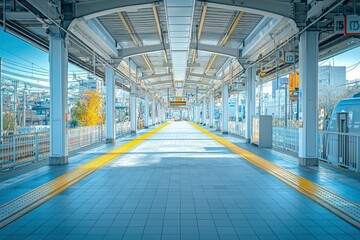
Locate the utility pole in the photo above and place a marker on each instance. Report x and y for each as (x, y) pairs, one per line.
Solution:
(15, 106)
(24, 107)
(1, 104)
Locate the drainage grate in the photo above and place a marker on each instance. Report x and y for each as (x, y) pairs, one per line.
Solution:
(342, 207)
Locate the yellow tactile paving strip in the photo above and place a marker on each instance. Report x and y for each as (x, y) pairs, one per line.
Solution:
(20, 206)
(342, 207)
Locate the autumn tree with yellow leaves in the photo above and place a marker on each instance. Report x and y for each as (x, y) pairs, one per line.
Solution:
(89, 110)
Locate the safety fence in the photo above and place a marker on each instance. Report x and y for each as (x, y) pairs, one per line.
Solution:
(23, 149)
(237, 128)
(286, 138)
(340, 149)
(283, 137)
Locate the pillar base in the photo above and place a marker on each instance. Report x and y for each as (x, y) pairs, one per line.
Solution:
(248, 140)
(110, 140)
(204, 124)
(225, 132)
(309, 162)
(57, 161)
(133, 132)
(211, 127)
(146, 127)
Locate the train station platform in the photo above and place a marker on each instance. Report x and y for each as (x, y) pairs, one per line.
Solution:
(180, 181)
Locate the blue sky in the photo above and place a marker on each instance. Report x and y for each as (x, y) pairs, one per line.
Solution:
(24, 53)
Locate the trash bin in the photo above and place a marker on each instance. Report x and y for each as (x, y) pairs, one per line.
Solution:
(217, 125)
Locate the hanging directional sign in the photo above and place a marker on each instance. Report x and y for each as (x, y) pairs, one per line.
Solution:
(289, 57)
(352, 25)
(177, 101)
(297, 80)
(339, 25)
(291, 83)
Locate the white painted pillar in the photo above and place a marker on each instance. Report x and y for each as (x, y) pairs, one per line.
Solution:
(237, 107)
(225, 108)
(308, 99)
(58, 55)
(153, 112)
(133, 117)
(197, 114)
(250, 100)
(193, 113)
(164, 115)
(212, 110)
(158, 113)
(146, 117)
(204, 112)
(110, 104)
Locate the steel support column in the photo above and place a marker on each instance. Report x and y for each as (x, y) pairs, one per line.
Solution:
(308, 119)
(225, 108)
(110, 104)
(250, 100)
(133, 117)
(237, 108)
(197, 109)
(158, 113)
(212, 110)
(146, 116)
(153, 112)
(204, 112)
(58, 55)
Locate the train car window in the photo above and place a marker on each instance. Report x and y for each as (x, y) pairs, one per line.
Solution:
(354, 118)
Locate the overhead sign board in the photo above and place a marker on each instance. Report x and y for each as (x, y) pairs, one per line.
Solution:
(297, 80)
(352, 25)
(291, 83)
(339, 25)
(289, 57)
(178, 103)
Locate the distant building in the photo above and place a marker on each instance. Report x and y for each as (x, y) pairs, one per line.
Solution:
(90, 84)
(332, 75)
(283, 81)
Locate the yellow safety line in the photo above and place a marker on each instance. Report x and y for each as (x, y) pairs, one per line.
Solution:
(19, 206)
(342, 207)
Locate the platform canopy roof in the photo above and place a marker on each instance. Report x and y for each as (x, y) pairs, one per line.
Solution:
(179, 47)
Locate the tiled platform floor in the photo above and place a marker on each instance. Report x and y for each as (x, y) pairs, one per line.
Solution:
(180, 184)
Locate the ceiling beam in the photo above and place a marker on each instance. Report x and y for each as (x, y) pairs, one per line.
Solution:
(42, 7)
(92, 9)
(160, 83)
(221, 50)
(134, 51)
(198, 83)
(203, 76)
(155, 76)
(269, 8)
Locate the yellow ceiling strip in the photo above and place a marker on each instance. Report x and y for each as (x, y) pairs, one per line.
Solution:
(232, 29)
(157, 22)
(225, 39)
(202, 20)
(128, 29)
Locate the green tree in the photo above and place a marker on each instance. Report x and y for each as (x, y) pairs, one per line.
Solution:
(8, 122)
(89, 111)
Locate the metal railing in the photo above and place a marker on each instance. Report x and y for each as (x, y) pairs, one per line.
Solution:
(340, 149)
(237, 128)
(286, 138)
(23, 149)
